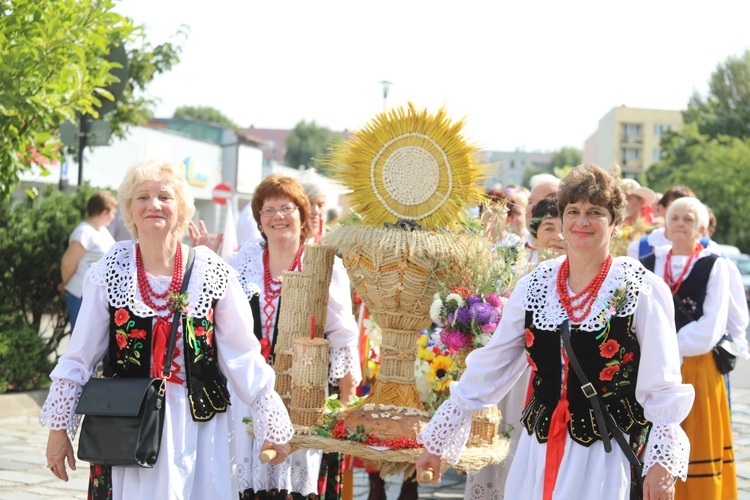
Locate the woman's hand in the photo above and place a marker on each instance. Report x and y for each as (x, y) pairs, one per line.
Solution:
(282, 451)
(59, 448)
(347, 388)
(200, 237)
(429, 462)
(659, 484)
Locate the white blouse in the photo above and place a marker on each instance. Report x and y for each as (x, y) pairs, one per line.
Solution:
(194, 460)
(492, 371)
(299, 472)
(341, 327)
(699, 337)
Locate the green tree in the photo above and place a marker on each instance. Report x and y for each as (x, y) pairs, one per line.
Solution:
(53, 65)
(726, 108)
(718, 170)
(306, 145)
(206, 114)
(566, 157)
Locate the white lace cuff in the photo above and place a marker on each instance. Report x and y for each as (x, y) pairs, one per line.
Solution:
(344, 360)
(59, 410)
(448, 431)
(668, 446)
(270, 419)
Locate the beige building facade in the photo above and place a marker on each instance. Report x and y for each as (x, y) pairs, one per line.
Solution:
(631, 138)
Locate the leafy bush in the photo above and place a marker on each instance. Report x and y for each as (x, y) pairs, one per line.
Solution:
(33, 237)
(23, 356)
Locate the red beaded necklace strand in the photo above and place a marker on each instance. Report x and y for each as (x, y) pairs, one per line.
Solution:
(675, 284)
(271, 290)
(584, 300)
(147, 293)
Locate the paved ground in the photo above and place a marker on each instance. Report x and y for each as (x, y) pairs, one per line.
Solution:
(23, 475)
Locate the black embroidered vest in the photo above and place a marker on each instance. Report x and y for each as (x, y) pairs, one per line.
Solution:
(130, 345)
(688, 303)
(609, 358)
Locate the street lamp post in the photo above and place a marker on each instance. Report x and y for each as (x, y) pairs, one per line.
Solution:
(386, 85)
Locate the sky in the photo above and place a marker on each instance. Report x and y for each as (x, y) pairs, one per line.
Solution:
(528, 75)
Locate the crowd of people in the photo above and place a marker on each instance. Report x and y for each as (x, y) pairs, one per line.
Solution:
(625, 296)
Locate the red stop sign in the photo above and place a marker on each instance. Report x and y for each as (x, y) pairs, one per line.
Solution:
(222, 193)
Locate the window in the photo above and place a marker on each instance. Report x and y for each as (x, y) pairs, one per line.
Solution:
(659, 129)
(630, 154)
(656, 154)
(631, 131)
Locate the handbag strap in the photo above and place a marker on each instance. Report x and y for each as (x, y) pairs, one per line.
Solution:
(588, 389)
(166, 370)
(600, 412)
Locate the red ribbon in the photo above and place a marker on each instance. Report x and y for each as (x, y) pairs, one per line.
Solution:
(556, 439)
(162, 329)
(265, 348)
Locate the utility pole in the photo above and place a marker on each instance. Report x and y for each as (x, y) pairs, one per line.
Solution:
(386, 85)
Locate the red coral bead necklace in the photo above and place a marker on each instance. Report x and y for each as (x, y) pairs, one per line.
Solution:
(584, 300)
(144, 287)
(675, 284)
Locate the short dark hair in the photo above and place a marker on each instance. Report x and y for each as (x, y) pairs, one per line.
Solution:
(101, 201)
(278, 186)
(675, 192)
(592, 184)
(545, 209)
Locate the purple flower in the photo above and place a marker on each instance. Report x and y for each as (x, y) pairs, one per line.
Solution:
(454, 340)
(482, 312)
(492, 300)
(474, 299)
(450, 318)
(463, 315)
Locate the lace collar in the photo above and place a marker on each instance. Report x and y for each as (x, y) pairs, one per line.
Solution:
(117, 272)
(248, 262)
(541, 299)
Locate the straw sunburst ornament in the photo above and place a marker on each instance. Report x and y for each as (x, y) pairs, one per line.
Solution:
(407, 164)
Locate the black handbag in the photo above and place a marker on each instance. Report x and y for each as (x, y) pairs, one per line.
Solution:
(124, 417)
(725, 354)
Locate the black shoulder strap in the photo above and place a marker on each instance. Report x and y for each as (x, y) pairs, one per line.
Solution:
(257, 319)
(177, 314)
(600, 412)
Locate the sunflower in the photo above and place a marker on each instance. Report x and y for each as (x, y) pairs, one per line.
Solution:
(407, 164)
(442, 369)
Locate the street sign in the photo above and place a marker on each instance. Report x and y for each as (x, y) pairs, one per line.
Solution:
(222, 193)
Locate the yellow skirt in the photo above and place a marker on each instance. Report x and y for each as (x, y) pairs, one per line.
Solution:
(711, 474)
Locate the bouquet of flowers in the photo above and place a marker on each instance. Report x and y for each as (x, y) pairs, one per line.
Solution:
(434, 369)
(467, 319)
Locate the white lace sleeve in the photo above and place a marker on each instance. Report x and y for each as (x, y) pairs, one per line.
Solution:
(59, 410)
(448, 431)
(270, 419)
(668, 446)
(344, 360)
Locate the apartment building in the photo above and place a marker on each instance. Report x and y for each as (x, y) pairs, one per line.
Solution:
(630, 137)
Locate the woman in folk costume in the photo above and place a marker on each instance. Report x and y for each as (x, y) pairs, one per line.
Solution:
(281, 210)
(126, 311)
(546, 233)
(620, 319)
(700, 290)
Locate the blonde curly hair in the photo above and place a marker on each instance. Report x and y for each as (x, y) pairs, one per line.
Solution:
(156, 170)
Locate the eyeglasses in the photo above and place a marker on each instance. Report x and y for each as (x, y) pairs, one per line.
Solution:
(285, 210)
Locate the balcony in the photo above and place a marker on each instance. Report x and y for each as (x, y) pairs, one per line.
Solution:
(632, 166)
(631, 140)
